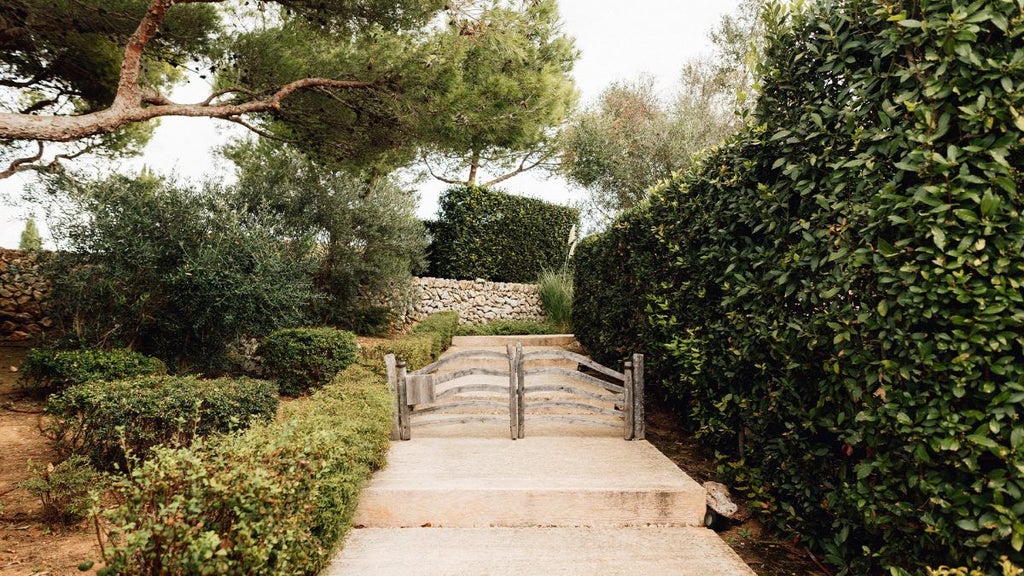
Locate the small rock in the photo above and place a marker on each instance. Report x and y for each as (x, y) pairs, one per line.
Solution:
(718, 499)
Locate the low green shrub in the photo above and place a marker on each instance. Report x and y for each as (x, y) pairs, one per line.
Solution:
(441, 327)
(416, 350)
(301, 359)
(110, 422)
(46, 370)
(67, 491)
(555, 288)
(511, 328)
(276, 499)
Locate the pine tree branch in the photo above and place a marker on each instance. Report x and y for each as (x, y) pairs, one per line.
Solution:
(19, 164)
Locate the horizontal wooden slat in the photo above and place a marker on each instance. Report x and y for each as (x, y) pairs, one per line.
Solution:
(462, 356)
(574, 405)
(495, 388)
(533, 418)
(467, 404)
(578, 358)
(503, 420)
(449, 376)
(569, 389)
(577, 376)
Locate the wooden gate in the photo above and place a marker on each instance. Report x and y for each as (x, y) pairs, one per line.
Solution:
(518, 388)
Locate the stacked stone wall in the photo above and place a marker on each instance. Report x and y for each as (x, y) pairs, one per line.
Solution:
(23, 293)
(476, 301)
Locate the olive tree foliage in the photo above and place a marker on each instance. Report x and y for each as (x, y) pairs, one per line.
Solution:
(369, 240)
(171, 270)
(633, 137)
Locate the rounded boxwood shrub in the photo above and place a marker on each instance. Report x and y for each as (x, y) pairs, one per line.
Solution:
(53, 370)
(114, 422)
(304, 358)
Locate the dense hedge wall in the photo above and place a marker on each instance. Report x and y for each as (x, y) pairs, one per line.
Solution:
(489, 234)
(838, 292)
(110, 421)
(276, 499)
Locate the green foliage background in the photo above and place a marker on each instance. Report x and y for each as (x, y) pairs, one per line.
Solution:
(835, 296)
(482, 233)
(301, 359)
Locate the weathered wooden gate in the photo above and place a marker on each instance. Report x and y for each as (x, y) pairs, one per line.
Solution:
(490, 386)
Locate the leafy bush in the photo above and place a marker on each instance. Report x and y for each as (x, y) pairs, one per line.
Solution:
(172, 271)
(416, 350)
(836, 292)
(67, 491)
(111, 422)
(555, 289)
(510, 328)
(304, 358)
(54, 370)
(489, 234)
(612, 275)
(276, 499)
(441, 327)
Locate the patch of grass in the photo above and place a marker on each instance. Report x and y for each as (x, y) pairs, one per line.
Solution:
(556, 293)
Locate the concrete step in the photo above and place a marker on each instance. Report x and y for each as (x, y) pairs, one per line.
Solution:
(536, 481)
(650, 551)
(502, 341)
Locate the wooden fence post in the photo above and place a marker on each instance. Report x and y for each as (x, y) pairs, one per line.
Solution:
(513, 390)
(638, 397)
(391, 366)
(520, 389)
(404, 414)
(628, 406)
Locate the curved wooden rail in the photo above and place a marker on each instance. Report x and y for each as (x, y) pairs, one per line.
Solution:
(578, 358)
(466, 404)
(448, 377)
(576, 391)
(617, 389)
(495, 388)
(576, 406)
(462, 356)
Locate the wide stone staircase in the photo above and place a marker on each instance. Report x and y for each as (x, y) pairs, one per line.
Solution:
(562, 500)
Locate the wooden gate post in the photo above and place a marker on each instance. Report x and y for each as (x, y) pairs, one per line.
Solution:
(391, 366)
(520, 390)
(404, 415)
(513, 390)
(628, 407)
(638, 397)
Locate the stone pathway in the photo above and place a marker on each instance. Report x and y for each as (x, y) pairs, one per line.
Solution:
(560, 501)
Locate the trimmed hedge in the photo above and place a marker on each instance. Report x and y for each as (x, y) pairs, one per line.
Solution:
(276, 499)
(510, 328)
(102, 420)
(301, 359)
(836, 294)
(441, 327)
(489, 234)
(54, 370)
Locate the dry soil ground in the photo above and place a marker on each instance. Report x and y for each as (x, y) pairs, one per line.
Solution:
(27, 545)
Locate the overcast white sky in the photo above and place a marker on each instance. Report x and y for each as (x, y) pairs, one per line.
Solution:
(619, 41)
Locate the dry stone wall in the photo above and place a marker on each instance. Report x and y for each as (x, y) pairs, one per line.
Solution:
(23, 293)
(476, 301)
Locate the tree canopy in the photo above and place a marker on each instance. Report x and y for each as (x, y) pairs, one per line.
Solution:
(356, 82)
(633, 137)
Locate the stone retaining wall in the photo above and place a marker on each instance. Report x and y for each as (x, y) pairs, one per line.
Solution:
(23, 294)
(476, 301)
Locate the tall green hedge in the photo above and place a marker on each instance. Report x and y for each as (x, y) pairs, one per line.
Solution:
(489, 234)
(837, 293)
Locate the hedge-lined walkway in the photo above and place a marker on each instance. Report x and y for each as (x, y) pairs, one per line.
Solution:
(579, 504)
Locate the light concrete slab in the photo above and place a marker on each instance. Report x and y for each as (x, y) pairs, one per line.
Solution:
(647, 551)
(536, 481)
(501, 341)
